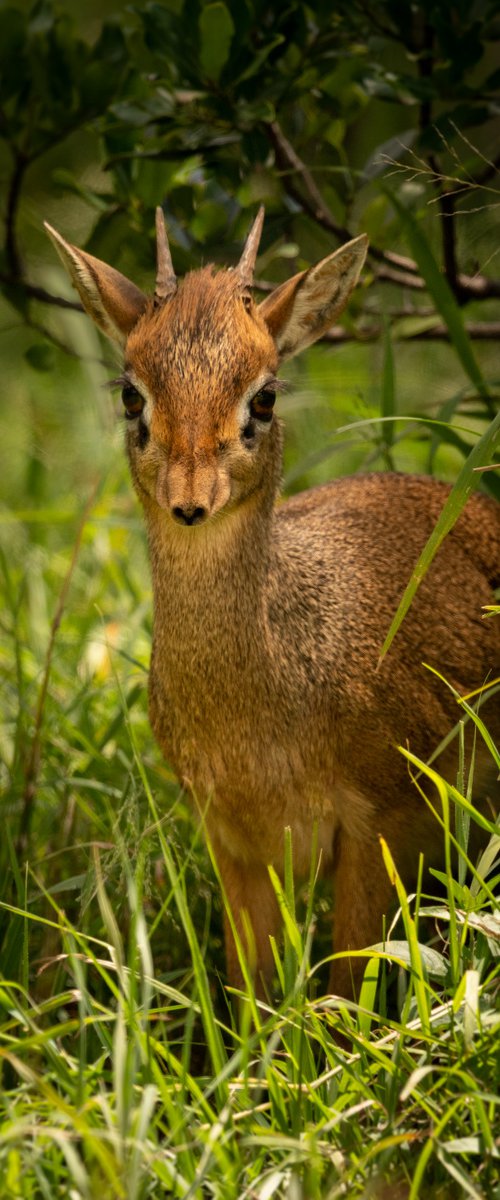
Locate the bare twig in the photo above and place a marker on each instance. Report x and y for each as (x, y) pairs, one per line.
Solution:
(314, 203)
(32, 768)
(477, 330)
(312, 200)
(478, 287)
(11, 249)
(38, 293)
(402, 278)
(37, 327)
(446, 201)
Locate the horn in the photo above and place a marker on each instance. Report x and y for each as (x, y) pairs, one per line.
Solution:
(166, 283)
(246, 265)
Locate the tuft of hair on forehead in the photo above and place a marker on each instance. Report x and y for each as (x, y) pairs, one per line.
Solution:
(204, 300)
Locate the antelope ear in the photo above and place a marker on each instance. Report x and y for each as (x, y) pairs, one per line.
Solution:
(298, 312)
(113, 302)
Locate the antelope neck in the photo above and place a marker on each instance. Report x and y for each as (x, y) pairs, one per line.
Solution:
(209, 580)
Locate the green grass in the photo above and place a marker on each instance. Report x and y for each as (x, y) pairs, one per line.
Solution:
(127, 1068)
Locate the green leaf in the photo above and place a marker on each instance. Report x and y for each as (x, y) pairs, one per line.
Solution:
(435, 963)
(367, 996)
(216, 28)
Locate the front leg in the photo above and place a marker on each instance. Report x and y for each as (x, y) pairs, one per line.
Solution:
(252, 900)
(363, 894)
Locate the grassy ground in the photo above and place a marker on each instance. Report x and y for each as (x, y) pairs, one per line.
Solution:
(126, 1071)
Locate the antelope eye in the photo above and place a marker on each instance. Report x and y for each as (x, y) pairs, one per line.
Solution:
(133, 401)
(261, 407)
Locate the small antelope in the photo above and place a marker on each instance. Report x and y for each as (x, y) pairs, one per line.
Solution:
(269, 618)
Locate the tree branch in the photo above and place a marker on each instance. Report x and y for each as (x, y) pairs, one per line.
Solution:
(11, 249)
(15, 275)
(38, 293)
(402, 278)
(478, 287)
(313, 202)
(447, 210)
(51, 337)
(477, 330)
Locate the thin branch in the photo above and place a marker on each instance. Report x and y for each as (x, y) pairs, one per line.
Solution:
(38, 293)
(11, 249)
(312, 200)
(478, 287)
(14, 277)
(37, 327)
(402, 278)
(288, 159)
(477, 330)
(425, 65)
(447, 209)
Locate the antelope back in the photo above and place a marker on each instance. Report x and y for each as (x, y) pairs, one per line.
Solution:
(200, 363)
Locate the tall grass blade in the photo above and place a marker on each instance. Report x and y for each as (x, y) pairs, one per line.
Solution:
(461, 490)
(417, 966)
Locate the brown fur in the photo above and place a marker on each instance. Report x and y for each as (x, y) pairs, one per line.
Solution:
(268, 620)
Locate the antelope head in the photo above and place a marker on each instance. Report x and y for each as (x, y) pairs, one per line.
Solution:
(200, 363)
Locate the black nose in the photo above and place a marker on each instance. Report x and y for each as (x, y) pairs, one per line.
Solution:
(190, 514)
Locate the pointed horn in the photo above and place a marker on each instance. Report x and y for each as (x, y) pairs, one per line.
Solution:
(166, 283)
(246, 265)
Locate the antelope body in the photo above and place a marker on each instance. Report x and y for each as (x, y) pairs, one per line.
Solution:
(269, 619)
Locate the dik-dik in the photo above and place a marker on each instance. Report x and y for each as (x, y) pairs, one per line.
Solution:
(269, 616)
